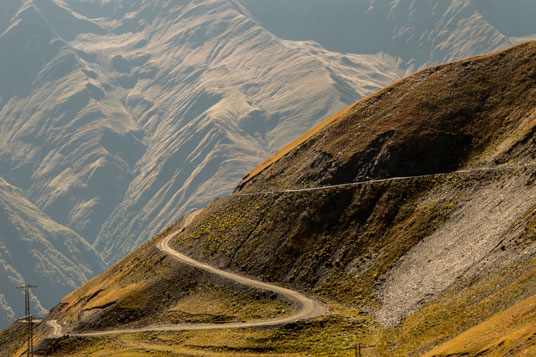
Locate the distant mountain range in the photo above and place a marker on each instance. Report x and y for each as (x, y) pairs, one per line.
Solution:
(117, 117)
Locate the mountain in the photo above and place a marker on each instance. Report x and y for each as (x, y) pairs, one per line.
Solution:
(113, 141)
(409, 214)
(421, 33)
(117, 117)
(62, 259)
(132, 122)
(511, 18)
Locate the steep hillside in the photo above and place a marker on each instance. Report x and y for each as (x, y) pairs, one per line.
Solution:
(402, 263)
(507, 333)
(61, 260)
(473, 113)
(427, 256)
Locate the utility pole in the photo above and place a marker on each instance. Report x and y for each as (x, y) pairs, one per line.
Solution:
(358, 347)
(28, 316)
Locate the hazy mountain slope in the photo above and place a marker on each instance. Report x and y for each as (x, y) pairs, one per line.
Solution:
(214, 94)
(422, 33)
(10, 7)
(403, 264)
(511, 18)
(35, 249)
(57, 146)
(67, 142)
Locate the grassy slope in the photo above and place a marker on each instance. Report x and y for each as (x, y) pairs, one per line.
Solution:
(125, 296)
(458, 104)
(339, 243)
(472, 112)
(506, 333)
(350, 295)
(482, 301)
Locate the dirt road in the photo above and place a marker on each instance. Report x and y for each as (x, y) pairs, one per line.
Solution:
(307, 308)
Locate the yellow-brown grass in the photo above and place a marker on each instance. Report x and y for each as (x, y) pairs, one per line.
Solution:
(295, 143)
(495, 336)
(472, 105)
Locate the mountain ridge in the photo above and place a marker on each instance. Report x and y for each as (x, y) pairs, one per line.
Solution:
(407, 28)
(401, 121)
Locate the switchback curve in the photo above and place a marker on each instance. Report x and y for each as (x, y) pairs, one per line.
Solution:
(307, 308)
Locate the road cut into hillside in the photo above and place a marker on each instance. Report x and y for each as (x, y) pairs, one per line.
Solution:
(307, 308)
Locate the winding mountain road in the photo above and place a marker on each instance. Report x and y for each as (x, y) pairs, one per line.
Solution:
(307, 308)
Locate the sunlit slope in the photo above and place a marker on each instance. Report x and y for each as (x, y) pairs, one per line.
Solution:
(507, 333)
(510, 332)
(476, 112)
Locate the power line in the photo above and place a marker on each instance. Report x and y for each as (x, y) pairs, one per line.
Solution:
(28, 316)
